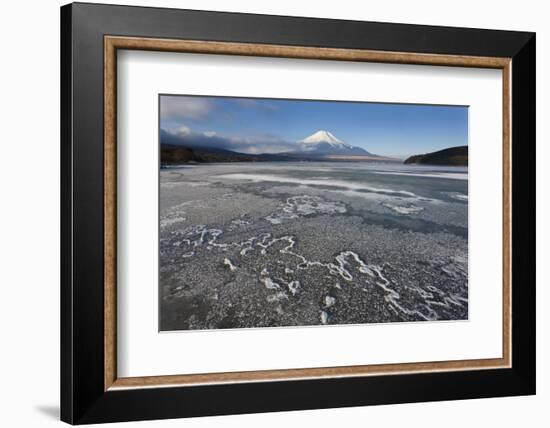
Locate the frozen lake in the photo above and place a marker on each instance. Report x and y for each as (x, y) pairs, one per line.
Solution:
(247, 245)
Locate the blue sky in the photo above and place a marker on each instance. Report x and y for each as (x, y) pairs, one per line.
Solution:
(273, 125)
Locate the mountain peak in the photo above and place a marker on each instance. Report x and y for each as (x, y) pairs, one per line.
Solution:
(323, 143)
(323, 136)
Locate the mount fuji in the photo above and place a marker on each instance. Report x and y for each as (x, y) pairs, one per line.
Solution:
(323, 143)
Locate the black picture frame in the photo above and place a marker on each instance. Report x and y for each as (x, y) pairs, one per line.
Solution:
(83, 398)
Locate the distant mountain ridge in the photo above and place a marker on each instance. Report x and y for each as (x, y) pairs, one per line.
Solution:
(453, 156)
(319, 146)
(175, 154)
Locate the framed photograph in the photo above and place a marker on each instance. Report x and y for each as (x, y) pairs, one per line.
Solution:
(265, 213)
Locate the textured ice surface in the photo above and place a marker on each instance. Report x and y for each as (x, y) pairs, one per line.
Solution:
(305, 205)
(280, 244)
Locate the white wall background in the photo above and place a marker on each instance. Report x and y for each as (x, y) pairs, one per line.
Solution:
(29, 214)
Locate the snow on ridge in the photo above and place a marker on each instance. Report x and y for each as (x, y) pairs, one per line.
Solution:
(323, 136)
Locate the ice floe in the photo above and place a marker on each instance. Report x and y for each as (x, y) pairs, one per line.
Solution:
(329, 301)
(351, 185)
(448, 175)
(404, 209)
(303, 206)
(270, 284)
(277, 297)
(169, 221)
(229, 264)
(458, 196)
(293, 287)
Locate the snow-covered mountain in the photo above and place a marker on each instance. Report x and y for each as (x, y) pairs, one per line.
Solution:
(323, 136)
(325, 143)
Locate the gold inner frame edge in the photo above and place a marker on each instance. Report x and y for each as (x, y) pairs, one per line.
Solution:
(113, 43)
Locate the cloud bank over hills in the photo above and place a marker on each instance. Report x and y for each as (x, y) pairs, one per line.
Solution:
(259, 144)
(319, 143)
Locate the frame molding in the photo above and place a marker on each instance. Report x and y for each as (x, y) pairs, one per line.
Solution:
(113, 43)
(90, 390)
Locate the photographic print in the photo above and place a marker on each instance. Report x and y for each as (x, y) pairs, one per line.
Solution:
(284, 212)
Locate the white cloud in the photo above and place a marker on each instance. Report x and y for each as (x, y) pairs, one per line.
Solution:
(260, 105)
(182, 130)
(252, 144)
